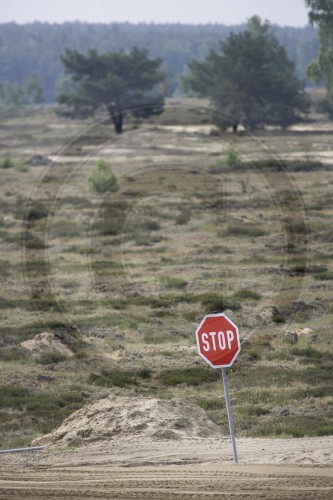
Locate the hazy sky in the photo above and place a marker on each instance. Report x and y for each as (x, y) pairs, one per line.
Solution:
(282, 12)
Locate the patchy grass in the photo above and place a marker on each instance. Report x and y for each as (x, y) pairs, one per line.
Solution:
(137, 269)
(245, 294)
(184, 217)
(243, 231)
(187, 376)
(28, 413)
(177, 283)
(119, 378)
(51, 358)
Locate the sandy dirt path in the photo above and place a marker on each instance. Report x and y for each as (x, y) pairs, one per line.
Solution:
(169, 482)
(191, 469)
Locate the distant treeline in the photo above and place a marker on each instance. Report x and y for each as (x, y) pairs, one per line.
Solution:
(36, 47)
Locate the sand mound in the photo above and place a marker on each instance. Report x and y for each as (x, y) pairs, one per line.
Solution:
(127, 418)
(268, 313)
(46, 342)
(294, 334)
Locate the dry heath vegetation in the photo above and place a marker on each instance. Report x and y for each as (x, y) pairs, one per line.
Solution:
(116, 247)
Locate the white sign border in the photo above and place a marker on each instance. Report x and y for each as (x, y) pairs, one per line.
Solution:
(217, 315)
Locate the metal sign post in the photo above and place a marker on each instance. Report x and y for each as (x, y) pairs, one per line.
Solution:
(219, 345)
(231, 424)
(17, 450)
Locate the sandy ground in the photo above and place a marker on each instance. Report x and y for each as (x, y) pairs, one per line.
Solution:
(187, 469)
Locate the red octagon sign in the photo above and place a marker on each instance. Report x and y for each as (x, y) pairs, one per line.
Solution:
(218, 340)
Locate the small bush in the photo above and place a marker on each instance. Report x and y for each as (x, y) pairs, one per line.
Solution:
(309, 352)
(254, 410)
(189, 376)
(102, 179)
(246, 231)
(63, 228)
(245, 294)
(145, 240)
(217, 168)
(110, 227)
(7, 162)
(156, 338)
(13, 354)
(210, 404)
(50, 358)
(324, 276)
(32, 241)
(5, 268)
(184, 217)
(294, 426)
(174, 282)
(20, 167)
(297, 227)
(151, 225)
(13, 396)
(278, 318)
(216, 303)
(37, 211)
(232, 158)
(119, 378)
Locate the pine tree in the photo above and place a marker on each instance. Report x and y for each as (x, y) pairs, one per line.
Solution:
(251, 79)
(118, 81)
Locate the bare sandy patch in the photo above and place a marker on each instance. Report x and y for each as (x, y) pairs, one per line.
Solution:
(46, 342)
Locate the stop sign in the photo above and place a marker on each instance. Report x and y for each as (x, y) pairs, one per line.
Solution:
(218, 340)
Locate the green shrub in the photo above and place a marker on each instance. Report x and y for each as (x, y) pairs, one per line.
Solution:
(41, 411)
(253, 410)
(63, 228)
(156, 338)
(151, 225)
(245, 294)
(278, 318)
(217, 168)
(242, 230)
(110, 227)
(7, 162)
(312, 354)
(294, 426)
(37, 211)
(33, 241)
(10, 354)
(324, 276)
(184, 217)
(50, 358)
(146, 239)
(119, 378)
(21, 167)
(13, 396)
(216, 303)
(174, 282)
(5, 268)
(102, 179)
(189, 376)
(210, 404)
(297, 227)
(232, 158)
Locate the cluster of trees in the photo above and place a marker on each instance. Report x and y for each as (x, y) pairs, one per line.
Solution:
(120, 82)
(13, 95)
(251, 80)
(321, 69)
(37, 47)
